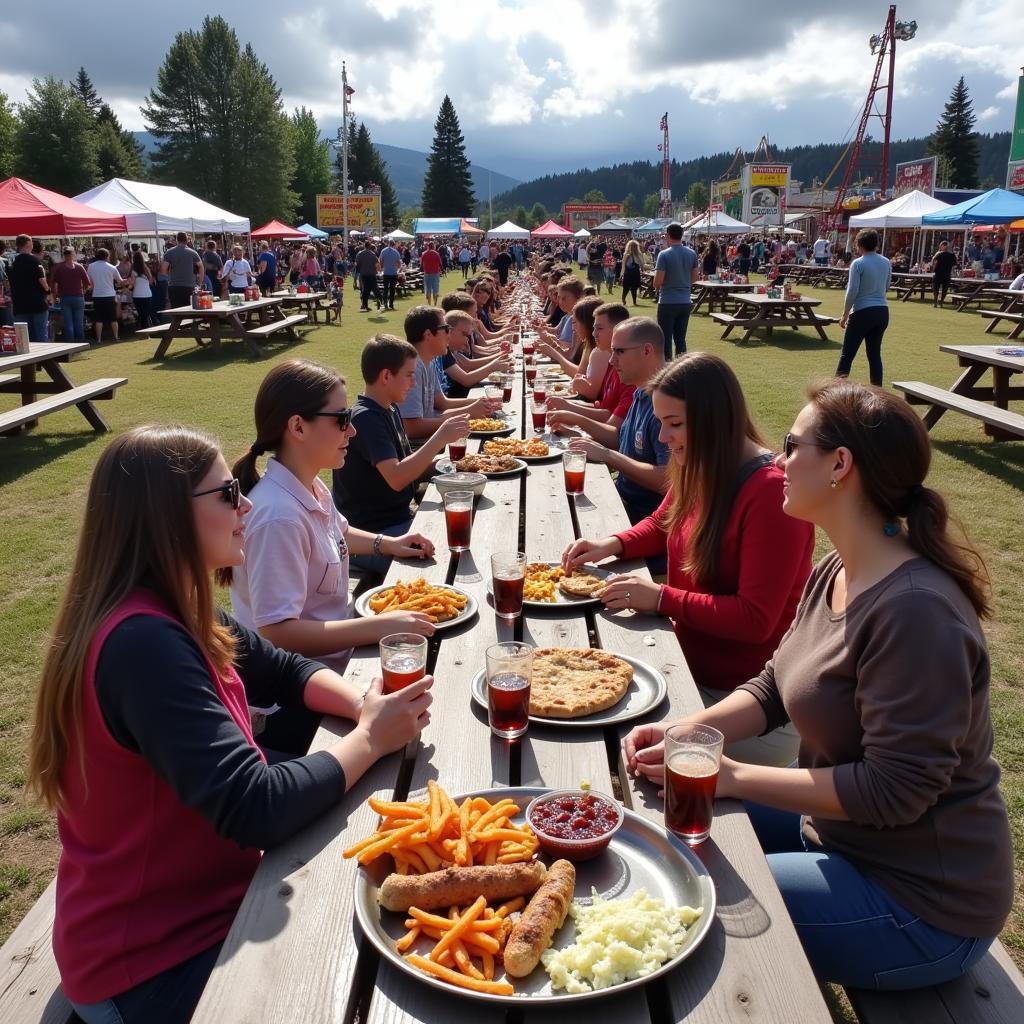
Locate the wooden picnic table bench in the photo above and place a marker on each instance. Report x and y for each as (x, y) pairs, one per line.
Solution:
(1011, 309)
(211, 326)
(760, 312)
(710, 294)
(310, 303)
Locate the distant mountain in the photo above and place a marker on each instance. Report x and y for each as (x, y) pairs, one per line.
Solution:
(406, 168)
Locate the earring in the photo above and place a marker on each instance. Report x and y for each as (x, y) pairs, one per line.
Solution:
(834, 484)
(891, 529)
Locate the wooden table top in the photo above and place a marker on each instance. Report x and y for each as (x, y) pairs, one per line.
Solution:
(988, 354)
(754, 299)
(40, 352)
(295, 952)
(724, 285)
(222, 308)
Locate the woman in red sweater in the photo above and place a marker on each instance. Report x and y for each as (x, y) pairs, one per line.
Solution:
(737, 563)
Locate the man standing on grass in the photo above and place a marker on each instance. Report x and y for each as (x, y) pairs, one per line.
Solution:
(390, 260)
(30, 292)
(430, 265)
(367, 266)
(674, 272)
(184, 269)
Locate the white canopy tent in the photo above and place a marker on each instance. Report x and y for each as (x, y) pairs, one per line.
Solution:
(398, 235)
(582, 233)
(904, 211)
(508, 230)
(715, 223)
(159, 209)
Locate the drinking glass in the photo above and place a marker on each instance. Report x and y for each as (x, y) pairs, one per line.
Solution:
(403, 659)
(574, 469)
(539, 412)
(458, 519)
(693, 755)
(509, 669)
(508, 577)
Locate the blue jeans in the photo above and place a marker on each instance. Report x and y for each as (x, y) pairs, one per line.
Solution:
(379, 564)
(673, 319)
(867, 326)
(73, 308)
(853, 932)
(38, 324)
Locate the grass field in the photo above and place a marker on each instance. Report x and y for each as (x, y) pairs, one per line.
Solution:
(44, 475)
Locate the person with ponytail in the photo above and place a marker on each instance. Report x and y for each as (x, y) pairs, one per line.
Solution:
(142, 742)
(293, 586)
(890, 842)
(736, 562)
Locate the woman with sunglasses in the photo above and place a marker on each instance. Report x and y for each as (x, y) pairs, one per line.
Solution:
(736, 563)
(890, 841)
(142, 742)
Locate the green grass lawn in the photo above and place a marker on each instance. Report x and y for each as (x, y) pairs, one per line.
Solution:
(44, 475)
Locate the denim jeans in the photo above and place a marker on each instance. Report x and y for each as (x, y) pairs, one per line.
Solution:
(867, 326)
(853, 932)
(73, 308)
(673, 319)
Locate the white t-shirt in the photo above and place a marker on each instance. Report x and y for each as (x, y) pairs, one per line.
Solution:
(141, 288)
(103, 276)
(237, 272)
(581, 256)
(821, 248)
(1018, 283)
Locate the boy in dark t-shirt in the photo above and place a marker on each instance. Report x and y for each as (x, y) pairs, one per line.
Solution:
(374, 488)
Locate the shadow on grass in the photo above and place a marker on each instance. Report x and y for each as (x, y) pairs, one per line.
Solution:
(787, 340)
(1003, 460)
(27, 451)
(196, 358)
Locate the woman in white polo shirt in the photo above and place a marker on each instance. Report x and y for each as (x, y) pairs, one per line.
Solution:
(236, 271)
(293, 585)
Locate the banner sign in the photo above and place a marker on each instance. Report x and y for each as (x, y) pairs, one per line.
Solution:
(588, 215)
(919, 175)
(363, 213)
(1017, 138)
(764, 191)
(1015, 175)
(727, 195)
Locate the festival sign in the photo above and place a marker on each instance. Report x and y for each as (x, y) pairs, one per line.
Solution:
(363, 213)
(1017, 139)
(919, 175)
(1015, 176)
(764, 191)
(588, 215)
(727, 196)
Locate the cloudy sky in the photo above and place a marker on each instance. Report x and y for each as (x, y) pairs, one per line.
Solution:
(552, 85)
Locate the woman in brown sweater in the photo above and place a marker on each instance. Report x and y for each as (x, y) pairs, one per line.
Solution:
(890, 841)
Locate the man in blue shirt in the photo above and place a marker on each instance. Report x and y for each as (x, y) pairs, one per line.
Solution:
(674, 272)
(390, 260)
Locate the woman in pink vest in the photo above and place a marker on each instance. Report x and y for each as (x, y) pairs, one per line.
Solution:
(142, 741)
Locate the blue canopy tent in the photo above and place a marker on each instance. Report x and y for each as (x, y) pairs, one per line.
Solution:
(653, 227)
(438, 225)
(997, 206)
(308, 229)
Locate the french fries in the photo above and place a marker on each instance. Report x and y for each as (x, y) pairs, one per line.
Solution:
(541, 580)
(486, 426)
(438, 603)
(516, 446)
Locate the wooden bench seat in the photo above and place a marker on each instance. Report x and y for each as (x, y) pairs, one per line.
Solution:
(9, 378)
(97, 389)
(918, 393)
(30, 991)
(265, 330)
(729, 320)
(992, 992)
(158, 329)
(965, 298)
(1017, 319)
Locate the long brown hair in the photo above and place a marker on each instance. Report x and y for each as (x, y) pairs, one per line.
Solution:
(138, 531)
(583, 314)
(296, 387)
(718, 426)
(892, 452)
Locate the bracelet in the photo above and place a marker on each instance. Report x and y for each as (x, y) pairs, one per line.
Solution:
(661, 594)
(377, 542)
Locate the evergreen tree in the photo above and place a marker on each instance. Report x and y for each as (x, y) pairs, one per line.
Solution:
(956, 140)
(448, 184)
(538, 215)
(697, 196)
(8, 134)
(86, 91)
(595, 195)
(651, 203)
(53, 122)
(223, 132)
(367, 168)
(312, 163)
(629, 205)
(118, 153)
(519, 216)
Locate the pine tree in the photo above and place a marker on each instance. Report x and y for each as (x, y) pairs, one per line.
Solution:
(652, 201)
(629, 205)
(312, 163)
(86, 91)
(8, 133)
(955, 139)
(448, 184)
(519, 215)
(538, 215)
(595, 195)
(118, 153)
(367, 168)
(53, 122)
(697, 196)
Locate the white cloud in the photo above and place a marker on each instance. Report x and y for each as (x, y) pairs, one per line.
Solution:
(989, 113)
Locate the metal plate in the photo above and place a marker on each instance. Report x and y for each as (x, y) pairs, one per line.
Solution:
(555, 448)
(563, 601)
(642, 855)
(520, 466)
(504, 432)
(646, 691)
(362, 605)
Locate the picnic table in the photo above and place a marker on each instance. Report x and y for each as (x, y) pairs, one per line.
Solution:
(760, 312)
(248, 321)
(60, 390)
(1011, 308)
(976, 289)
(907, 284)
(295, 952)
(969, 397)
(310, 303)
(716, 293)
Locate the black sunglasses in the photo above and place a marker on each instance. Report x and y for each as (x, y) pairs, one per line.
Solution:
(343, 416)
(792, 442)
(443, 327)
(229, 492)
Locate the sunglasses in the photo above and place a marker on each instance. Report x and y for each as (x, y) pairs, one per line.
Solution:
(343, 416)
(790, 442)
(443, 327)
(229, 492)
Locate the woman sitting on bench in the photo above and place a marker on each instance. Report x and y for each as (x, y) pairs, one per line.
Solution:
(142, 740)
(890, 843)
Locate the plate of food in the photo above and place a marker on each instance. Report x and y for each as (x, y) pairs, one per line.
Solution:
(519, 928)
(492, 426)
(561, 388)
(493, 466)
(529, 450)
(446, 606)
(547, 585)
(586, 688)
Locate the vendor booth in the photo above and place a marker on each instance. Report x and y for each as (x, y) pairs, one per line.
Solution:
(509, 231)
(31, 210)
(275, 230)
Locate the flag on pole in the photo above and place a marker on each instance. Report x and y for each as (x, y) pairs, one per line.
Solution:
(349, 91)
(664, 122)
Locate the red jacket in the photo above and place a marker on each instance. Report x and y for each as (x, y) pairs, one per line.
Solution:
(728, 632)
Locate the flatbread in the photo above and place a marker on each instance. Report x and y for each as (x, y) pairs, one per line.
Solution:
(581, 584)
(570, 682)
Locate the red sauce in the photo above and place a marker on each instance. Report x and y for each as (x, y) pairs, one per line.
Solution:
(579, 817)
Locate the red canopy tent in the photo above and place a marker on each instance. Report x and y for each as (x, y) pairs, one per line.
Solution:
(275, 229)
(551, 230)
(465, 228)
(28, 209)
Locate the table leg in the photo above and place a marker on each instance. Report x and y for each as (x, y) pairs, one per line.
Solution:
(169, 336)
(758, 321)
(65, 383)
(29, 392)
(964, 383)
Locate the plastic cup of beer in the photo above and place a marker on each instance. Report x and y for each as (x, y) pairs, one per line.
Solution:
(508, 577)
(574, 469)
(509, 669)
(540, 391)
(458, 519)
(457, 449)
(403, 660)
(493, 393)
(506, 388)
(531, 373)
(693, 755)
(539, 412)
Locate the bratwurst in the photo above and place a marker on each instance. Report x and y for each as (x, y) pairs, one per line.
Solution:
(460, 886)
(543, 916)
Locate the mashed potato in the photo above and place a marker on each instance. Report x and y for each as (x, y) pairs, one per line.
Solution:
(617, 940)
